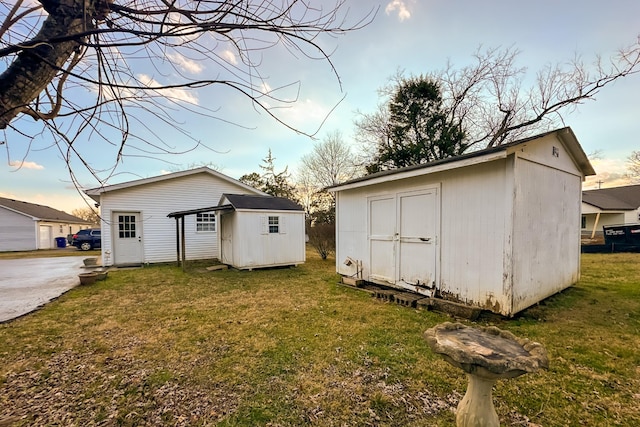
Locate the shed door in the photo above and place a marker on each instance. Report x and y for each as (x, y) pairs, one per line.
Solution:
(418, 225)
(127, 238)
(226, 237)
(382, 224)
(403, 239)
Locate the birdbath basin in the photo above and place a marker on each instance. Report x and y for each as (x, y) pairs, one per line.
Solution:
(485, 355)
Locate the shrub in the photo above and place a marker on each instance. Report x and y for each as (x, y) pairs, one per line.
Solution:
(323, 239)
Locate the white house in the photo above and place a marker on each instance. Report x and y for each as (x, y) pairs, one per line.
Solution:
(610, 206)
(135, 225)
(497, 229)
(27, 226)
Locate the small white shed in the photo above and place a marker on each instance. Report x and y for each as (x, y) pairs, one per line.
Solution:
(261, 231)
(497, 229)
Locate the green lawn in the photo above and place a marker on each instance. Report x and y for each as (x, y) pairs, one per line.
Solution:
(289, 347)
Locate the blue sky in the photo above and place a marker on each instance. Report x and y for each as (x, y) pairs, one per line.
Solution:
(415, 36)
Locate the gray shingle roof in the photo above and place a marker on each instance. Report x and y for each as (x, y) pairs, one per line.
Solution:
(39, 211)
(616, 198)
(248, 201)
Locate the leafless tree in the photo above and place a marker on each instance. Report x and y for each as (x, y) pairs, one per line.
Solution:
(330, 162)
(491, 103)
(633, 166)
(88, 214)
(73, 65)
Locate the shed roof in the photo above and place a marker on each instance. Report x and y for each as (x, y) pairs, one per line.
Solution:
(39, 212)
(615, 198)
(95, 193)
(566, 136)
(249, 201)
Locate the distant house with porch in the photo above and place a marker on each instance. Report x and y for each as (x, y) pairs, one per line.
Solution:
(609, 206)
(28, 226)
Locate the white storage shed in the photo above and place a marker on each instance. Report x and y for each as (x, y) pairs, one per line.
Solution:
(261, 231)
(497, 229)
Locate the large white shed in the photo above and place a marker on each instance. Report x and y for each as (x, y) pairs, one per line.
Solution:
(497, 229)
(261, 231)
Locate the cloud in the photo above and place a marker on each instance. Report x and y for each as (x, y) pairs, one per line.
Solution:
(401, 7)
(26, 165)
(175, 94)
(185, 63)
(229, 56)
(609, 173)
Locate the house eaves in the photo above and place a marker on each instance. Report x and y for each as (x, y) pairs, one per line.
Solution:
(95, 193)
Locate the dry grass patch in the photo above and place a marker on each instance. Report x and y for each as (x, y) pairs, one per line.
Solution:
(289, 347)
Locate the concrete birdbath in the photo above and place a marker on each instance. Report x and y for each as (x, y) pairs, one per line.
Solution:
(486, 355)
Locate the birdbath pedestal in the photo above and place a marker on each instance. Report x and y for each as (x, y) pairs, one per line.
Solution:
(485, 355)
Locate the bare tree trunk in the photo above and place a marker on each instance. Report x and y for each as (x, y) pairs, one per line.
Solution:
(35, 67)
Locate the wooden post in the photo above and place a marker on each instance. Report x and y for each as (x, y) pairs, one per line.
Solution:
(182, 239)
(178, 241)
(595, 225)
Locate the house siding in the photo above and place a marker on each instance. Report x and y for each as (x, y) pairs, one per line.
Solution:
(18, 232)
(153, 201)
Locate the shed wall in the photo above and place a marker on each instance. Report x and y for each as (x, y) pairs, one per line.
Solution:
(472, 228)
(252, 247)
(546, 243)
(154, 201)
(17, 232)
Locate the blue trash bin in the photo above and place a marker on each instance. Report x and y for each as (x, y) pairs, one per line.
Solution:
(61, 242)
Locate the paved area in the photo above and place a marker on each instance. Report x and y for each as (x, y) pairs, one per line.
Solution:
(26, 284)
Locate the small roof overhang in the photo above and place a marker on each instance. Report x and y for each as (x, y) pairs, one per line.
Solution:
(182, 214)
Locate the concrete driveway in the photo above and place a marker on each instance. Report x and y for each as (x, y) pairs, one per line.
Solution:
(26, 284)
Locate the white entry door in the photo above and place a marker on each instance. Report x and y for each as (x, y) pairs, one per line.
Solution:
(403, 239)
(127, 238)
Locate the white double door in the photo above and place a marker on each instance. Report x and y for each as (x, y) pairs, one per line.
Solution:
(403, 238)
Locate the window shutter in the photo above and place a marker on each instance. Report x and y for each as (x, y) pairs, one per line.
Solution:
(283, 223)
(265, 224)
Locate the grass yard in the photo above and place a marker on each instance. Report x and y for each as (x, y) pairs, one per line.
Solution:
(289, 347)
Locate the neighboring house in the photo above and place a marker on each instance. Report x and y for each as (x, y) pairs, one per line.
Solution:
(27, 226)
(256, 231)
(497, 229)
(135, 226)
(610, 206)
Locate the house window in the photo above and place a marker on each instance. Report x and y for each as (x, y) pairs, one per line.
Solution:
(61, 229)
(127, 226)
(206, 222)
(274, 224)
(584, 221)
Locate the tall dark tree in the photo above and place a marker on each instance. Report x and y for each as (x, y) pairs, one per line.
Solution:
(74, 65)
(419, 130)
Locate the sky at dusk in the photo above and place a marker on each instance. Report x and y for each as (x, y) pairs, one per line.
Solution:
(415, 36)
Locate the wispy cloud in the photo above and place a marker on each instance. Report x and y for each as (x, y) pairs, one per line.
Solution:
(176, 94)
(610, 173)
(26, 165)
(229, 56)
(185, 63)
(400, 7)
